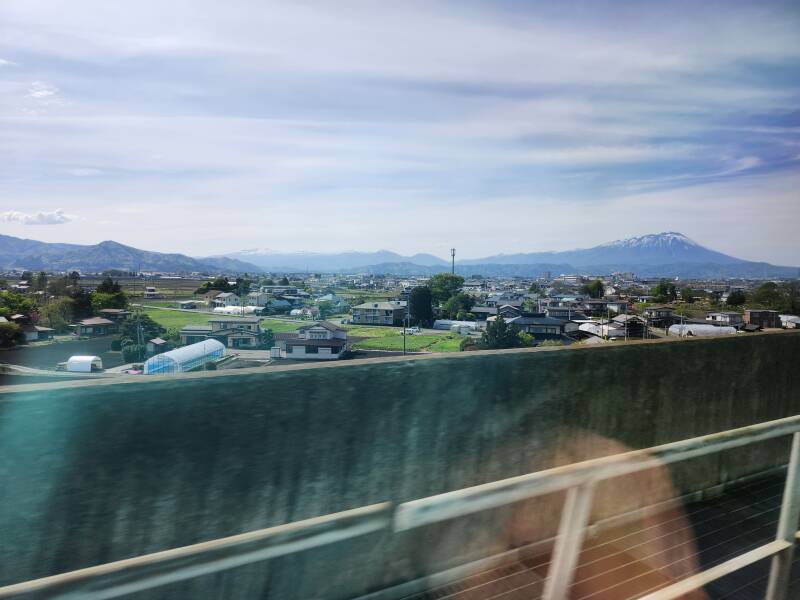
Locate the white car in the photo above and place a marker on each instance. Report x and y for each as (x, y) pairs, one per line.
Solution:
(412, 330)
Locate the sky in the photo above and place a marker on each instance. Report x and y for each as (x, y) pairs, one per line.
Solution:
(496, 127)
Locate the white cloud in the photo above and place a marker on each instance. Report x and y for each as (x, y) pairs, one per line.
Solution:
(56, 217)
(6, 63)
(42, 90)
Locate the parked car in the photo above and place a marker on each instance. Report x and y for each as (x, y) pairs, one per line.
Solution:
(412, 330)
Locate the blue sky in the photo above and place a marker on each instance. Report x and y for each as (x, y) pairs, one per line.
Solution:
(204, 127)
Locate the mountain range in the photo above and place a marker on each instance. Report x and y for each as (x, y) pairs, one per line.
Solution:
(17, 253)
(668, 254)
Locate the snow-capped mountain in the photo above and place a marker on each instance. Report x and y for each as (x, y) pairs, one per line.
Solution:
(654, 249)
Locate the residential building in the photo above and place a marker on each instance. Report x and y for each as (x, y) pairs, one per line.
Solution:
(115, 314)
(317, 341)
(226, 299)
(543, 327)
(95, 326)
(151, 293)
(659, 316)
(233, 332)
(380, 313)
(766, 319)
(258, 298)
(632, 326)
(725, 318)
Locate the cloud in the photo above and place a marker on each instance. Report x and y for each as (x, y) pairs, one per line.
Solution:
(56, 217)
(6, 63)
(42, 90)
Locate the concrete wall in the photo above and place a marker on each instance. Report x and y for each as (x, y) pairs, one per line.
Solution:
(92, 472)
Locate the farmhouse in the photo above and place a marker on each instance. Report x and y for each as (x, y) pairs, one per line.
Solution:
(317, 341)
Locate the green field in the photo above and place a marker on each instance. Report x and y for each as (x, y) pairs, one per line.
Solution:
(173, 319)
(377, 338)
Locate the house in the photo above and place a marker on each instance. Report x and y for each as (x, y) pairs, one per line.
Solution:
(544, 328)
(258, 298)
(380, 313)
(659, 316)
(115, 314)
(766, 319)
(632, 326)
(209, 296)
(225, 299)
(482, 313)
(233, 332)
(279, 290)
(95, 326)
(150, 293)
(317, 341)
(568, 313)
(725, 319)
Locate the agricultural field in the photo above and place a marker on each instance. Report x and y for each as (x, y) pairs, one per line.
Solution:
(169, 289)
(391, 338)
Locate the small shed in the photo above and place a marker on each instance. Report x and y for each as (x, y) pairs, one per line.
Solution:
(84, 364)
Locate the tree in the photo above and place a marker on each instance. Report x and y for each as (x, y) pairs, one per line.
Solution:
(10, 334)
(445, 285)
(133, 352)
(129, 328)
(82, 307)
(40, 281)
(459, 303)
(736, 298)
(326, 309)
(770, 295)
(535, 288)
(420, 306)
(687, 295)
(594, 289)
(269, 281)
(284, 281)
(665, 291)
(500, 334)
(108, 286)
(101, 300)
(58, 314)
(12, 304)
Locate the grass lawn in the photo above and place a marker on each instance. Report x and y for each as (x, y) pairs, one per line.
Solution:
(177, 319)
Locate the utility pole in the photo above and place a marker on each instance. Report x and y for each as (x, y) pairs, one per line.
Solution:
(453, 259)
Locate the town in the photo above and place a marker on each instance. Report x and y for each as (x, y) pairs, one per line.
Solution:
(159, 323)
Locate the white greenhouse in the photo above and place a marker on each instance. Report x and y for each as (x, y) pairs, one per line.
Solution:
(186, 358)
(698, 330)
(84, 364)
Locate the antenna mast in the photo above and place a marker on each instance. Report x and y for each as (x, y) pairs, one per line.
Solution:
(453, 259)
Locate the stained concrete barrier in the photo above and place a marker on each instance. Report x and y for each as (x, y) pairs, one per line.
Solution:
(92, 472)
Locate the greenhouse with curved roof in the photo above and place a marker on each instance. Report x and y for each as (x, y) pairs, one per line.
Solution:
(186, 358)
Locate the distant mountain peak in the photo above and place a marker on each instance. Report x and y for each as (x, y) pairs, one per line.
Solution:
(651, 240)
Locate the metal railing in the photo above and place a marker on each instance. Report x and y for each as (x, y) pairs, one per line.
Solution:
(579, 480)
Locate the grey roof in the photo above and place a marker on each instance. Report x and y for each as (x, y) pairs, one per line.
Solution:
(537, 321)
(196, 328)
(324, 324)
(234, 319)
(382, 305)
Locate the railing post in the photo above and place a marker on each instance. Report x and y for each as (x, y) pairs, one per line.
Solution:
(778, 586)
(574, 518)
